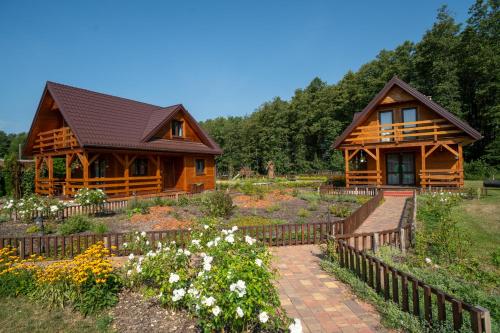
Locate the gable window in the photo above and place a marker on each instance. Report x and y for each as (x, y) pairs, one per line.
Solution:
(140, 167)
(177, 128)
(200, 166)
(386, 121)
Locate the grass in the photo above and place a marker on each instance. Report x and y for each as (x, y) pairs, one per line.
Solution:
(253, 220)
(22, 315)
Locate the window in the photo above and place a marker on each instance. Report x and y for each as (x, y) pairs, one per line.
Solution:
(386, 119)
(140, 167)
(177, 128)
(98, 169)
(200, 167)
(409, 116)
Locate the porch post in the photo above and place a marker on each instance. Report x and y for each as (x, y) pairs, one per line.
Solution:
(158, 172)
(346, 153)
(379, 172)
(460, 165)
(69, 157)
(50, 165)
(37, 173)
(85, 166)
(422, 170)
(126, 175)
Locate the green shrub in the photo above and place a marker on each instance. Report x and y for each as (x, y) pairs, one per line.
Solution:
(303, 213)
(224, 279)
(254, 220)
(495, 258)
(273, 208)
(32, 229)
(313, 206)
(75, 224)
(309, 196)
(217, 204)
(339, 211)
(88, 197)
(183, 201)
(99, 228)
(478, 170)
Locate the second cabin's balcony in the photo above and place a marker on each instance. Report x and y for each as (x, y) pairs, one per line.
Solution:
(60, 138)
(433, 129)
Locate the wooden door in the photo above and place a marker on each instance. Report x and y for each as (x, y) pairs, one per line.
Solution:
(168, 173)
(400, 169)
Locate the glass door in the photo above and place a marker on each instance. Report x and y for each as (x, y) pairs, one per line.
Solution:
(400, 169)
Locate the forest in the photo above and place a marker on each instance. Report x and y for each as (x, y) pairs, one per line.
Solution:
(457, 64)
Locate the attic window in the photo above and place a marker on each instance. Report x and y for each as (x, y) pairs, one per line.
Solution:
(177, 128)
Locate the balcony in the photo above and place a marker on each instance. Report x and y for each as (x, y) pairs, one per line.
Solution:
(59, 138)
(433, 129)
(441, 177)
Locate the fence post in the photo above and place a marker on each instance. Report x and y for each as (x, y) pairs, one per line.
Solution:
(402, 240)
(21, 248)
(375, 242)
(486, 319)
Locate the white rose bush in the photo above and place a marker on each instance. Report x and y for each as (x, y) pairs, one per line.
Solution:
(27, 208)
(223, 278)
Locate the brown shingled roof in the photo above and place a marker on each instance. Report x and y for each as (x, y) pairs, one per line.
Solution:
(100, 120)
(359, 117)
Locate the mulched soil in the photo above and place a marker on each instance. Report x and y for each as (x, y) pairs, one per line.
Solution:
(133, 313)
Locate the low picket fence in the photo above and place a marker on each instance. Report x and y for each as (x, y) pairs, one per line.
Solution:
(411, 294)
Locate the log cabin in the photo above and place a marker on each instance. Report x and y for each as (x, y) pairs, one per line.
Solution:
(84, 139)
(404, 138)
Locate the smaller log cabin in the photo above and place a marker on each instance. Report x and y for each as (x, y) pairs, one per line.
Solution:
(403, 138)
(84, 139)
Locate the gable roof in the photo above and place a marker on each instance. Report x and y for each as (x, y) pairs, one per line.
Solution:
(100, 120)
(359, 117)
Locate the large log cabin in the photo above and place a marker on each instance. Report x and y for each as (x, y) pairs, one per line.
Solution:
(403, 138)
(84, 139)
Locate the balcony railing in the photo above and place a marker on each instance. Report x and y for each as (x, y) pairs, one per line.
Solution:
(59, 138)
(397, 132)
(363, 177)
(115, 185)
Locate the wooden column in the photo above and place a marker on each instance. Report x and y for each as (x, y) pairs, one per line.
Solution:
(50, 166)
(85, 166)
(346, 154)
(379, 171)
(422, 170)
(69, 158)
(37, 173)
(126, 175)
(461, 165)
(158, 172)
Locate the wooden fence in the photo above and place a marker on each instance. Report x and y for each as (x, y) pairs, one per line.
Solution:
(411, 294)
(62, 247)
(332, 190)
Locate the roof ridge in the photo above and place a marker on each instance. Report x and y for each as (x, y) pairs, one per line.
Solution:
(107, 95)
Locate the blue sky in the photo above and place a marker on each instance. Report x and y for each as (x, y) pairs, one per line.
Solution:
(218, 58)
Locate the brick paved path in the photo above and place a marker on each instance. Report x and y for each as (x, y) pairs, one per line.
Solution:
(385, 217)
(323, 303)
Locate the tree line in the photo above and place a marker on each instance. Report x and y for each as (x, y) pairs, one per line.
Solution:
(458, 65)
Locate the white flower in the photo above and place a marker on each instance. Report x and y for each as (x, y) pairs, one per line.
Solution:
(249, 240)
(131, 256)
(173, 278)
(263, 317)
(54, 208)
(196, 242)
(230, 238)
(208, 301)
(258, 262)
(143, 234)
(239, 312)
(138, 238)
(186, 252)
(296, 327)
(205, 226)
(226, 232)
(234, 228)
(178, 294)
(147, 242)
(159, 245)
(125, 244)
(193, 292)
(138, 269)
(207, 259)
(216, 310)
(210, 244)
(129, 272)
(239, 288)
(241, 284)
(207, 267)
(428, 260)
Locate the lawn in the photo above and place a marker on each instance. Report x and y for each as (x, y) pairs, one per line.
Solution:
(22, 315)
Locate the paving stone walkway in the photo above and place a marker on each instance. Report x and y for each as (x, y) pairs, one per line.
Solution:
(323, 303)
(385, 217)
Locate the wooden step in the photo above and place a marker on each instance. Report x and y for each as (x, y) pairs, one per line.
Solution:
(398, 193)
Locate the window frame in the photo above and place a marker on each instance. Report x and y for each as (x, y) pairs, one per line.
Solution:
(203, 171)
(382, 139)
(136, 167)
(180, 128)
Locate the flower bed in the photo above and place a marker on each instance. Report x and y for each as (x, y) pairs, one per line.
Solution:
(222, 278)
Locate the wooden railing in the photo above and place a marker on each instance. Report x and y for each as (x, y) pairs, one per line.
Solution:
(115, 185)
(363, 177)
(55, 139)
(411, 294)
(415, 130)
(353, 221)
(332, 190)
(441, 177)
(60, 247)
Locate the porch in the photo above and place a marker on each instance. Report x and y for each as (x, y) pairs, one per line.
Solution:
(429, 164)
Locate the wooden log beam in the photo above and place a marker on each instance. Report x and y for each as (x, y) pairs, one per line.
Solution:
(379, 171)
(346, 153)
(454, 152)
(436, 146)
(423, 157)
